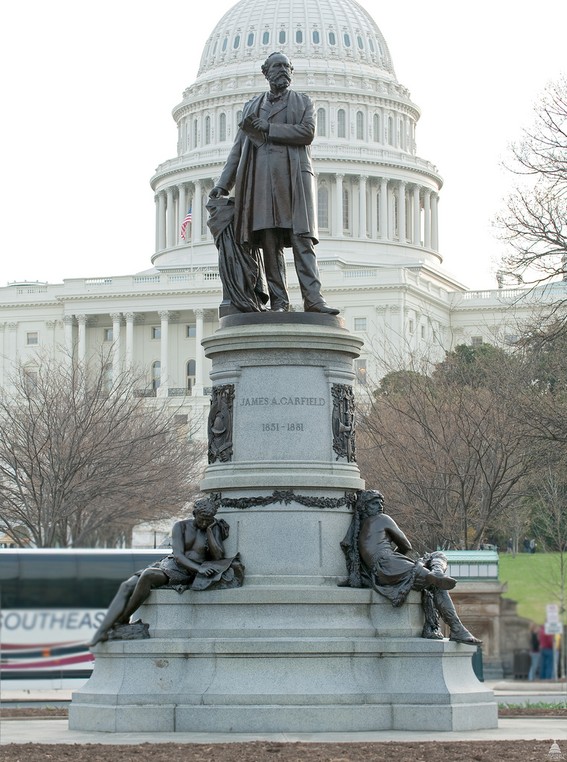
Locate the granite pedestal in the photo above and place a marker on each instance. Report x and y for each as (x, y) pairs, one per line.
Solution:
(290, 651)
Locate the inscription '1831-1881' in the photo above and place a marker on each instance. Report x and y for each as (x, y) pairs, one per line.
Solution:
(265, 401)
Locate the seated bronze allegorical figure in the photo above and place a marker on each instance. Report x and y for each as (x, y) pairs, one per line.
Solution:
(197, 562)
(376, 553)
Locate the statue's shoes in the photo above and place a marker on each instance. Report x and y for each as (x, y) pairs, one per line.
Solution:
(431, 633)
(323, 308)
(464, 636)
(441, 581)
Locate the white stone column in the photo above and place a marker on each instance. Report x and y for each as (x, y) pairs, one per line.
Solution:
(362, 206)
(402, 211)
(197, 204)
(338, 226)
(12, 352)
(3, 354)
(427, 219)
(182, 211)
(116, 319)
(384, 207)
(82, 354)
(170, 238)
(435, 222)
(68, 337)
(164, 357)
(156, 201)
(129, 357)
(161, 221)
(373, 227)
(199, 354)
(416, 217)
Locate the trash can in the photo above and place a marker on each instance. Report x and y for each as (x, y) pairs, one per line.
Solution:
(521, 664)
(477, 664)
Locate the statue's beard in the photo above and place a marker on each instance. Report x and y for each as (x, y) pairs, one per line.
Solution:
(280, 81)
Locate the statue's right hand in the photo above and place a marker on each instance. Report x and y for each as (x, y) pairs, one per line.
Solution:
(218, 191)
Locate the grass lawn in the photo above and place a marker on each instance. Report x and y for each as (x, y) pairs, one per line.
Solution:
(532, 580)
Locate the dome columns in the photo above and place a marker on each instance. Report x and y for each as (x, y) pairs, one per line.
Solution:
(386, 209)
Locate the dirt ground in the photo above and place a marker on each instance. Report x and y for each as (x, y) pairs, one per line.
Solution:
(266, 751)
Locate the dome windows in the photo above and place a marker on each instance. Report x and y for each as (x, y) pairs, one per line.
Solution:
(371, 45)
(250, 39)
(282, 37)
(346, 39)
(360, 42)
(224, 44)
(316, 37)
(341, 123)
(321, 122)
(266, 37)
(236, 43)
(222, 127)
(299, 36)
(332, 38)
(359, 125)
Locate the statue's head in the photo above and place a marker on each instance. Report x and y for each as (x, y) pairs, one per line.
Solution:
(370, 502)
(277, 68)
(204, 512)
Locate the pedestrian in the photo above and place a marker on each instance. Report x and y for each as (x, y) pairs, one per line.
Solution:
(535, 654)
(546, 650)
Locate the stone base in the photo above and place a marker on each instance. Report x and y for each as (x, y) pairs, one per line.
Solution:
(261, 660)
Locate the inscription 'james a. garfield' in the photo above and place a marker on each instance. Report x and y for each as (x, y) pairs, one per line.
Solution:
(256, 401)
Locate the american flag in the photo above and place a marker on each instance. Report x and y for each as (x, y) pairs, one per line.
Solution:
(188, 219)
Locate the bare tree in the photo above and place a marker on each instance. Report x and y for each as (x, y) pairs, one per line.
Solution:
(82, 459)
(446, 449)
(534, 221)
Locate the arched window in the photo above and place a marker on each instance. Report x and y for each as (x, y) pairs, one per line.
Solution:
(236, 43)
(195, 132)
(371, 44)
(156, 375)
(390, 136)
(376, 128)
(360, 42)
(359, 125)
(190, 375)
(321, 122)
(222, 127)
(341, 123)
(224, 44)
(332, 38)
(346, 209)
(207, 130)
(282, 37)
(316, 37)
(250, 39)
(238, 117)
(323, 207)
(346, 39)
(265, 38)
(299, 36)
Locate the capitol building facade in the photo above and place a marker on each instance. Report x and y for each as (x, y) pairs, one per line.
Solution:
(379, 212)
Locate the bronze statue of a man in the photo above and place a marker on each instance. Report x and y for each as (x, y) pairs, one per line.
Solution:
(197, 561)
(270, 169)
(376, 553)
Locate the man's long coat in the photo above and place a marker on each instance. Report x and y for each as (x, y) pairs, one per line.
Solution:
(286, 167)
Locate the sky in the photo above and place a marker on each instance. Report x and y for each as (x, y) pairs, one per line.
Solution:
(88, 90)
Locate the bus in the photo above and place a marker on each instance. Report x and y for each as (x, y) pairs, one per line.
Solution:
(51, 602)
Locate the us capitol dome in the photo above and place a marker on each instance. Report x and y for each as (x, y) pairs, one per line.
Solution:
(377, 205)
(377, 199)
